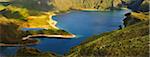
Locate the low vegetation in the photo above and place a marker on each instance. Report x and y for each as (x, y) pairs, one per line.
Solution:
(140, 15)
(47, 32)
(9, 31)
(32, 52)
(40, 21)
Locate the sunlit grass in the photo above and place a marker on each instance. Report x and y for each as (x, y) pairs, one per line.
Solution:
(41, 21)
(2, 7)
(140, 16)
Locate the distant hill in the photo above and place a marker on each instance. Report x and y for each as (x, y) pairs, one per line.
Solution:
(101, 5)
(86, 4)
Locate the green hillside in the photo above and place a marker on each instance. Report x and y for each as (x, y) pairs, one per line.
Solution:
(130, 41)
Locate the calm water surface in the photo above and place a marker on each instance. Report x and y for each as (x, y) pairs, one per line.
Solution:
(83, 24)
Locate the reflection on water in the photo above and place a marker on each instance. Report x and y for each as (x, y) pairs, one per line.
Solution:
(7, 51)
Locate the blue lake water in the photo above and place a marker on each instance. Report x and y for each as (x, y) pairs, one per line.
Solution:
(82, 24)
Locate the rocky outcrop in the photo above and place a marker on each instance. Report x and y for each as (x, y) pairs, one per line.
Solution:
(134, 17)
(129, 20)
(141, 12)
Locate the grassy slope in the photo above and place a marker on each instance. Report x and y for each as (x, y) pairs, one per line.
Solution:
(131, 41)
(141, 16)
(19, 10)
(41, 21)
(2, 7)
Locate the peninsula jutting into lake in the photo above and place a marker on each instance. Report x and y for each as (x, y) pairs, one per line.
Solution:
(74, 28)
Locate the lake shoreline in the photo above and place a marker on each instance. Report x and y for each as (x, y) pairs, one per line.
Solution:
(31, 37)
(49, 36)
(29, 42)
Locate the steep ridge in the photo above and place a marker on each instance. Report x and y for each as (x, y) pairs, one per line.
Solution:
(102, 5)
